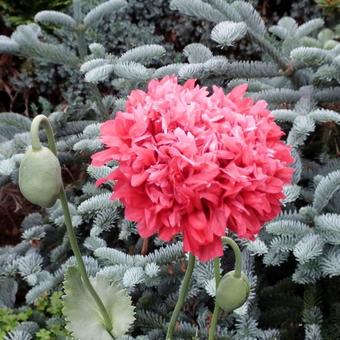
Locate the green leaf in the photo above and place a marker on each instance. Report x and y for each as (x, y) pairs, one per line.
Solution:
(82, 313)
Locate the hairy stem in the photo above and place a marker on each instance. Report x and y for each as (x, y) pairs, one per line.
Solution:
(36, 145)
(238, 268)
(35, 140)
(81, 266)
(213, 324)
(181, 298)
(237, 253)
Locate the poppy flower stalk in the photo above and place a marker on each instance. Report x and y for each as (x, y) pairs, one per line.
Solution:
(24, 174)
(196, 163)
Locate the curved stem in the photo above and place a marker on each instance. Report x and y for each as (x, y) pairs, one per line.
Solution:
(181, 297)
(36, 145)
(213, 324)
(237, 252)
(238, 267)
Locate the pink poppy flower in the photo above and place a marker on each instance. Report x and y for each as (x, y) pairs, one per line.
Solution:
(195, 163)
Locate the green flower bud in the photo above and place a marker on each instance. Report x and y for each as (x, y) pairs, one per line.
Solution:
(40, 177)
(232, 292)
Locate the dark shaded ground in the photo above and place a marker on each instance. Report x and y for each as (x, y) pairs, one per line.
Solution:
(13, 209)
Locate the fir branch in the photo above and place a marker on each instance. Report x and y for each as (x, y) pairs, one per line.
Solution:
(96, 14)
(55, 18)
(143, 53)
(325, 190)
(197, 8)
(227, 32)
(196, 53)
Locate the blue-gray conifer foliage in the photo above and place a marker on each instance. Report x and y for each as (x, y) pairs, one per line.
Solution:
(298, 75)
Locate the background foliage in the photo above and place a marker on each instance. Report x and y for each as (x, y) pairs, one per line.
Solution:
(78, 78)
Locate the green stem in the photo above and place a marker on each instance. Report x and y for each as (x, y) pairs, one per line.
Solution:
(35, 140)
(213, 325)
(217, 271)
(81, 266)
(36, 145)
(237, 253)
(181, 297)
(238, 267)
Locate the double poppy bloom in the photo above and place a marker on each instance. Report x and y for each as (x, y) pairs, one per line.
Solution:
(196, 163)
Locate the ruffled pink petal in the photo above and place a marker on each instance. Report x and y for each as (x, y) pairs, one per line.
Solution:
(195, 163)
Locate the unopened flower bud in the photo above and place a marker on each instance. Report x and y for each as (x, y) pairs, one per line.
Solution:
(232, 292)
(40, 178)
